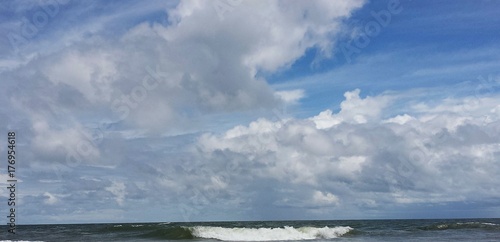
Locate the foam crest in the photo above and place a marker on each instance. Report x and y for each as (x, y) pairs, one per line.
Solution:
(268, 234)
(465, 225)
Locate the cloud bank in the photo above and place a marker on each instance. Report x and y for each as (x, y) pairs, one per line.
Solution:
(360, 157)
(127, 116)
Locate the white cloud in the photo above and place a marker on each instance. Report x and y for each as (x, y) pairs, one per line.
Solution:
(91, 73)
(50, 199)
(118, 190)
(73, 146)
(272, 33)
(291, 96)
(406, 157)
(353, 110)
(326, 120)
(324, 198)
(374, 152)
(400, 119)
(193, 70)
(351, 164)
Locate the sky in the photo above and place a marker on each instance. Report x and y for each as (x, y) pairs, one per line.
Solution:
(149, 111)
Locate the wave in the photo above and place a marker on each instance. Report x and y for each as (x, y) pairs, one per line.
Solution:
(268, 234)
(465, 225)
(155, 231)
(175, 232)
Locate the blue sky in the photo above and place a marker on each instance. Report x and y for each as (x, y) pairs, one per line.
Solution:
(251, 110)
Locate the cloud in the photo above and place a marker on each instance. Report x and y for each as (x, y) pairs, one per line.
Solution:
(130, 104)
(51, 199)
(118, 190)
(353, 110)
(67, 143)
(271, 35)
(91, 73)
(324, 198)
(160, 76)
(425, 156)
(400, 119)
(291, 96)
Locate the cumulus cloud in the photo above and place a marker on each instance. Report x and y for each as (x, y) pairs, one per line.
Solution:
(424, 156)
(91, 73)
(324, 198)
(159, 76)
(130, 108)
(77, 94)
(353, 110)
(272, 33)
(291, 96)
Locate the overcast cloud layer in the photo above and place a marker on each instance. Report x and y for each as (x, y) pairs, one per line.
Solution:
(246, 110)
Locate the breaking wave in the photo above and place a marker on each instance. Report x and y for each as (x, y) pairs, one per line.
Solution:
(268, 234)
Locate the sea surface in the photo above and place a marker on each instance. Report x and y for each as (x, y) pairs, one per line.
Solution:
(337, 230)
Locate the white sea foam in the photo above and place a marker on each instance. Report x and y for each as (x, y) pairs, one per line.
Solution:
(466, 225)
(478, 223)
(268, 234)
(491, 224)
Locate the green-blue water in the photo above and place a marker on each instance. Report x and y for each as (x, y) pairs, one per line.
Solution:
(345, 230)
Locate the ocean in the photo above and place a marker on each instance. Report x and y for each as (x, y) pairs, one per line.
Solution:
(337, 230)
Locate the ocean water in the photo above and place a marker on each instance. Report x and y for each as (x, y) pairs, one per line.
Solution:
(339, 230)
